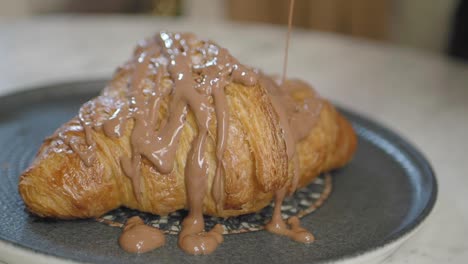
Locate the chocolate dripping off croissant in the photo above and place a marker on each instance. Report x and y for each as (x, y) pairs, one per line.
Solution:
(199, 72)
(117, 151)
(160, 104)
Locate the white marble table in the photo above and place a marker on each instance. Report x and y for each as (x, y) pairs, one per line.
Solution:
(422, 96)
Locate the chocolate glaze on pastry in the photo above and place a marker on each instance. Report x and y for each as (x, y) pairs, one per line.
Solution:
(184, 125)
(199, 72)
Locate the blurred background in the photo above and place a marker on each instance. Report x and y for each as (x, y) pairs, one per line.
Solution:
(439, 26)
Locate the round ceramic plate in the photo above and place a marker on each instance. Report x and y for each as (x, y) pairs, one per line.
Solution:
(378, 200)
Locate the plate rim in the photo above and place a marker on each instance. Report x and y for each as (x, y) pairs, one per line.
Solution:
(390, 243)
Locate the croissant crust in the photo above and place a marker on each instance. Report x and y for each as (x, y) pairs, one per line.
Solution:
(255, 162)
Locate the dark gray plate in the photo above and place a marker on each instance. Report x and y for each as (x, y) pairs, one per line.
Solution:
(382, 195)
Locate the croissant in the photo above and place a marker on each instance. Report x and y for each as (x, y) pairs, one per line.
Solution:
(183, 124)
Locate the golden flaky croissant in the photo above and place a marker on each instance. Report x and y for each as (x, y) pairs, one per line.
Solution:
(185, 125)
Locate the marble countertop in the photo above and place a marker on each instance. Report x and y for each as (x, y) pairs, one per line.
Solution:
(422, 96)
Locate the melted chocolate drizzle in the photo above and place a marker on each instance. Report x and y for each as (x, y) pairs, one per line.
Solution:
(198, 72)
